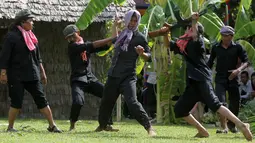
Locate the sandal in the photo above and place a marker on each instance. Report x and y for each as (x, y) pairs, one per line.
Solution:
(11, 130)
(54, 129)
(225, 131)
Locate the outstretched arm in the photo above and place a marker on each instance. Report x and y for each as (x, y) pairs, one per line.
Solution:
(108, 41)
(194, 26)
(101, 43)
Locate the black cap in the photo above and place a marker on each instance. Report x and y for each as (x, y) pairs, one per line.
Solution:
(70, 30)
(23, 14)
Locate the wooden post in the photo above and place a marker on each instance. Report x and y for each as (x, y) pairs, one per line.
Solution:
(119, 108)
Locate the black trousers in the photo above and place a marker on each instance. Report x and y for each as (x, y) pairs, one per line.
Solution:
(149, 98)
(35, 88)
(126, 86)
(194, 92)
(126, 112)
(78, 90)
(234, 97)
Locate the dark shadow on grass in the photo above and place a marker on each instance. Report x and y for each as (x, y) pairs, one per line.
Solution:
(232, 137)
(112, 136)
(133, 137)
(47, 132)
(83, 132)
(177, 138)
(116, 135)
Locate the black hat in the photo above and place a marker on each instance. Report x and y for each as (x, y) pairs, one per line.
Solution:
(23, 14)
(70, 30)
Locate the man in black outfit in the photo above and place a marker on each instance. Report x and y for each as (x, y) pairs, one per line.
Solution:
(122, 75)
(82, 79)
(227, 54)
(199, 82)
(21, 65)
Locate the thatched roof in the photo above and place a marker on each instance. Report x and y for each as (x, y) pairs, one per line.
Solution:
(58, 10)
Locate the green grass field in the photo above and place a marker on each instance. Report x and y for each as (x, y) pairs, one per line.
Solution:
(34, 131)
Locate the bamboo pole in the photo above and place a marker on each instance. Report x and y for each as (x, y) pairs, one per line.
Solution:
(227, 15)
(158, 105)
(119, 109)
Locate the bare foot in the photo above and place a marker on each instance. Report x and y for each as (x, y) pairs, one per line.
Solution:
(245, 129)
(151, 132)
(202, 134)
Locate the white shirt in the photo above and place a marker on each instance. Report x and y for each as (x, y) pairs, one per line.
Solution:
(152, 78)
(246, 88)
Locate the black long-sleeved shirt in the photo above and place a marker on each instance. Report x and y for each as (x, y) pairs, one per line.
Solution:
(227, 60)
(124, 62)
(197, 68)
(20, 63)
(79, 56)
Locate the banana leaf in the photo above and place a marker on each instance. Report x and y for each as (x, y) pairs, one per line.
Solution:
(201, 2)
(119, 2)
(195, 5)
(93, 9)
(246, 4)
(210, 28)
(214, 18)
(242, 18)
(153, 19)
(157, 2)
(245, 31)
(249, 49)
(169, 14)
(185, 7)
(206, 3)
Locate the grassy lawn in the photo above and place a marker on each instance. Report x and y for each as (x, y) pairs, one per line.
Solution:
(34, 131)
